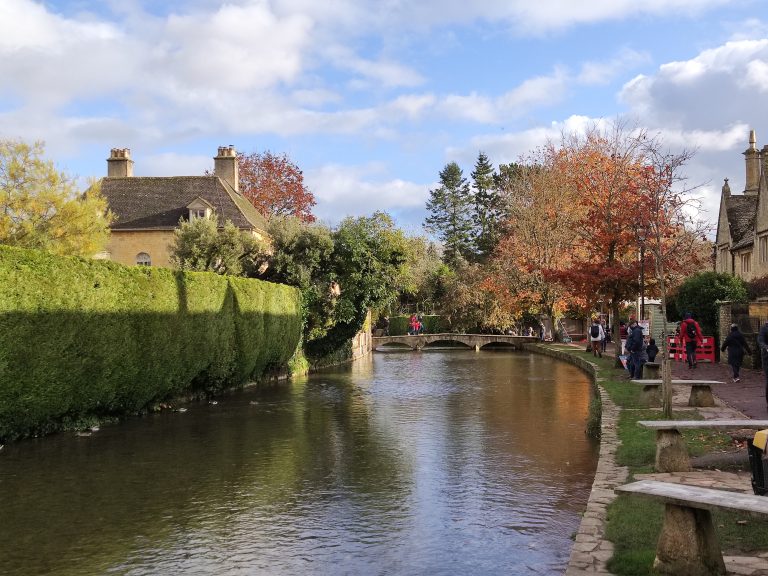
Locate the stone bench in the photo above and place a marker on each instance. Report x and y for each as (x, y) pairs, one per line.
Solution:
(701, 391)
(688, 543)
(671, 451)
(651, 370)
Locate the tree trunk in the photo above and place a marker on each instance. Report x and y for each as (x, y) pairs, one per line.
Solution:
(615, 334)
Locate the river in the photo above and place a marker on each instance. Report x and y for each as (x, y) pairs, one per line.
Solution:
(404, 463)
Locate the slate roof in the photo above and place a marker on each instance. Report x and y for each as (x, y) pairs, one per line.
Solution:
(742, 211)
(158, 203)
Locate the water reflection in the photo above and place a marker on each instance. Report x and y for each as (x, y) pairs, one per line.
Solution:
(406, 463)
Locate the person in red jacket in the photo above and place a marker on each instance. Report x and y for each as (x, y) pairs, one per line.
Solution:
(691, 338)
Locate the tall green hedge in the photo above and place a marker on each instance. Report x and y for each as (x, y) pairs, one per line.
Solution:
(82, 338)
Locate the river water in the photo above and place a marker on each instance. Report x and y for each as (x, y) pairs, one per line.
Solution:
(433, 462)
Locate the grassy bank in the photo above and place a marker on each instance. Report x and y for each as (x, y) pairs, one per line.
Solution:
(634, 525)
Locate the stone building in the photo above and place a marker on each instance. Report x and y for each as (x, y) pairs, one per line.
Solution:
(742, 226)
(148, 209)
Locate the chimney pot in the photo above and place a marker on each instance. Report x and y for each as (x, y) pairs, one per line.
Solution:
(225, 166)
(119, 163)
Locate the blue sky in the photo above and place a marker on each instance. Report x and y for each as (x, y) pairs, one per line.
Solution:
(372, 98)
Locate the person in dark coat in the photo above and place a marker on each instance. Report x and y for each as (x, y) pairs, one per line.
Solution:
(652, 350)
(736, 345)
(636, 347)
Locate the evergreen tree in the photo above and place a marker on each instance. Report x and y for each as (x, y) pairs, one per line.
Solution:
(450, 214)
(488, 207)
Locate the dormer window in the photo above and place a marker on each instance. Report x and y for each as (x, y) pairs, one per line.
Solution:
(199, 208)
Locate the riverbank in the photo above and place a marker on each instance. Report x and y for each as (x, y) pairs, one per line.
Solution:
(618, 537)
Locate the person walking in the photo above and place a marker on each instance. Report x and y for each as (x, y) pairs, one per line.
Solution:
(623, 333)
(762, 342)
(604, 341)
(691, 338)
(636, 348)
(736, 345)
(596, 337)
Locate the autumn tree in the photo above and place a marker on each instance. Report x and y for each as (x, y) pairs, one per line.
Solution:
(450, 214)
(602, 168)
(543, 211)
(470, 304)
(275, 185)
(42, 208)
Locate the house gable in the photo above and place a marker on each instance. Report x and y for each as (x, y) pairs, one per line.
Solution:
(147, 209)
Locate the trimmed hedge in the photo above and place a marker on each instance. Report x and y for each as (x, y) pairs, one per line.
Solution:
(86, 338)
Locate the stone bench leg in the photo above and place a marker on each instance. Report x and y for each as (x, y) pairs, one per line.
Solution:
(688, 544)
(651, 395)
(671, 452)
(651, 371)
(701, 396)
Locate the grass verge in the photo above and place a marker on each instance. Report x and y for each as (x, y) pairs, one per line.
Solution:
(633, 525)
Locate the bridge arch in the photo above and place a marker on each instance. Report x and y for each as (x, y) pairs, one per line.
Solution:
(476, 341)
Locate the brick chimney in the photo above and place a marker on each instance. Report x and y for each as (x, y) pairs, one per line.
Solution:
(119, 163)
(752, 157)
(225, 166)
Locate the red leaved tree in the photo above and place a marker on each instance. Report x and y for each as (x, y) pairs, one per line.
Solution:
(275, 185)
(603, 166)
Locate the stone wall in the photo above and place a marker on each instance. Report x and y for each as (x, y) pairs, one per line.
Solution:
(123, 247)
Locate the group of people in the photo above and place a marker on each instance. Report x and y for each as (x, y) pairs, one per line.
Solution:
(416, 325)
(633, 344)
(638, 351)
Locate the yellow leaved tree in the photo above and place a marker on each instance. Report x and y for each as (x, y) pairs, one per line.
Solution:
(41, 208)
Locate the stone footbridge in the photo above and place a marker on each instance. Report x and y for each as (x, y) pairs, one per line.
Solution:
(475, 341)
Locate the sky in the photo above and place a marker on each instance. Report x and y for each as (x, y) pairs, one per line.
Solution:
(371, 99)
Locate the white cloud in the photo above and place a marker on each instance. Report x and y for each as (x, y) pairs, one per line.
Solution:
(714, 89)
(233, 48)
(602, 72)
(361, 190)
(757, 75)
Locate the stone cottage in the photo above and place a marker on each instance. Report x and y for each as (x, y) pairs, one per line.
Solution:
(148, 209)
(742, 226)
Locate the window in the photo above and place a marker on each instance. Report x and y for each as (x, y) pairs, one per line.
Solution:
(746, 261)
(763, 243)
(198, 213)
(143, 259)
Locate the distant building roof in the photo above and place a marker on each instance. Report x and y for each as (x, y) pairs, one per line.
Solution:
(742, 211)
(159, 203)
